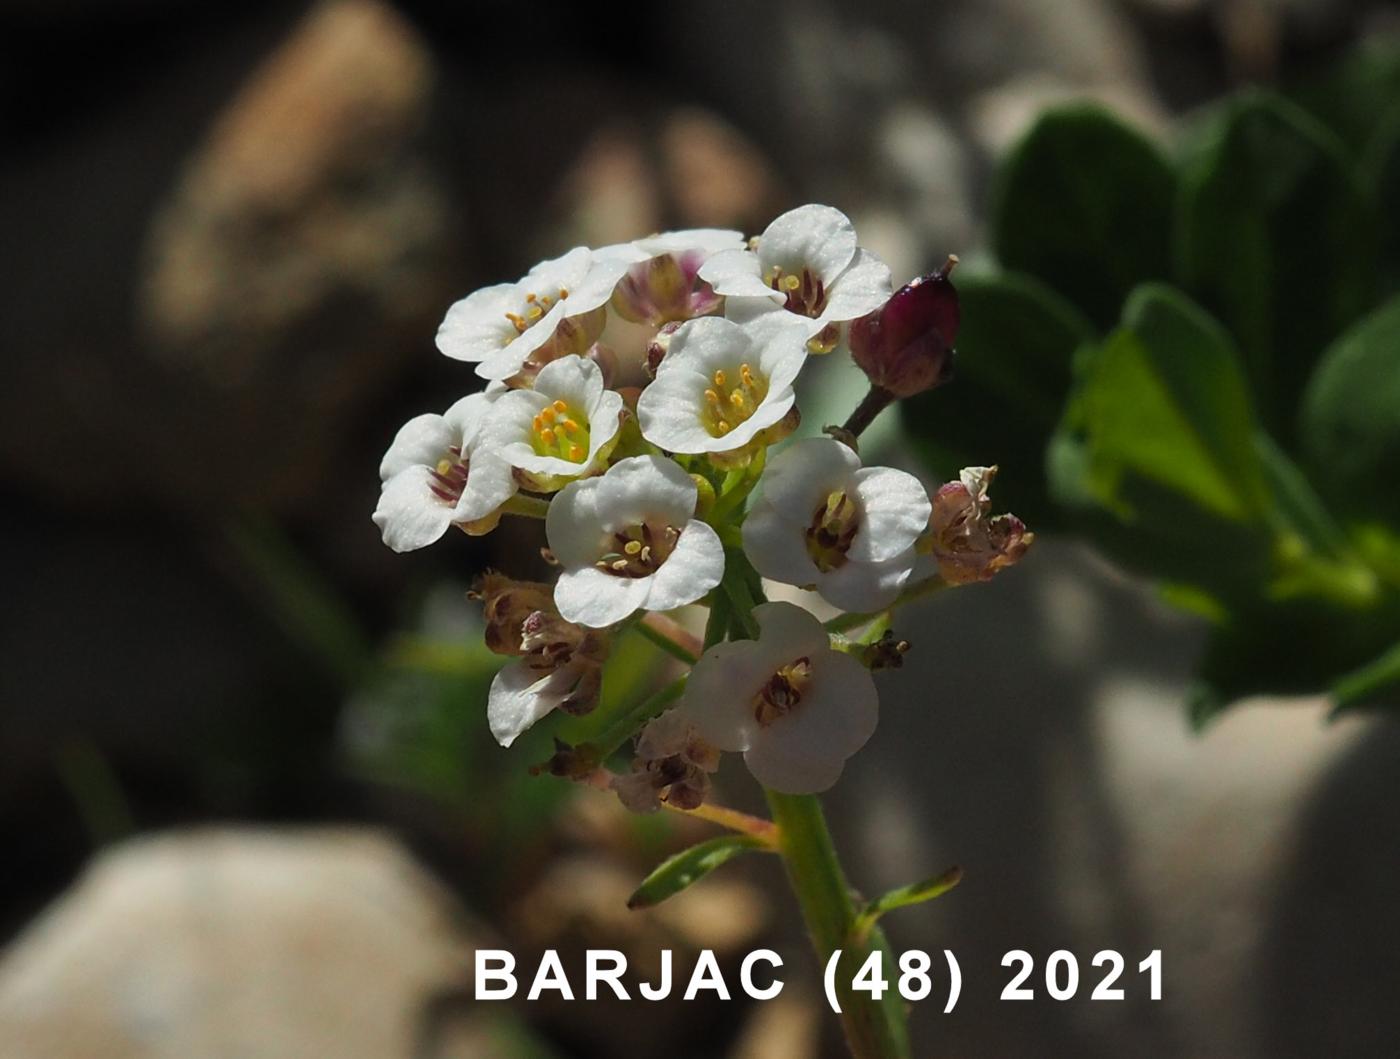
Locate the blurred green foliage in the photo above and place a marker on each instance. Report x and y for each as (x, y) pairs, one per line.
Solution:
(1192, 358)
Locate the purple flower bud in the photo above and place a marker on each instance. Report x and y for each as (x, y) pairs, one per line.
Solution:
(906, 346)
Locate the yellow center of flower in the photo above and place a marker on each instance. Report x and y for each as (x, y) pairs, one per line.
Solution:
(639, 550)
(536, 305)
(731, 399)
(804, 293)
(829, 534)
(783, 692)
(449, 477)
(560, 430)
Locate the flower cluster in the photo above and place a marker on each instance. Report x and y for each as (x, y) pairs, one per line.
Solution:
(633, 395)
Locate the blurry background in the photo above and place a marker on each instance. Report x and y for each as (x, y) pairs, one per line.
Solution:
(248, 803)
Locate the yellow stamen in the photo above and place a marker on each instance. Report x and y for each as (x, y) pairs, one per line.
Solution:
(576, 452)
(547, 436)
(563, 292)
(712, 397)
(746, 374)
(538, 424)
(719, 378)
(444, 466)
(790, 282)
(547, 415)
(560, 407)
(530, 297)
(736, 398)
(632, 547)
(569, 426)
(534, 312)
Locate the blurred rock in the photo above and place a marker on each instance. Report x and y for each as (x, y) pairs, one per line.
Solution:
(219, 272)
(317, 943)
(306, 191)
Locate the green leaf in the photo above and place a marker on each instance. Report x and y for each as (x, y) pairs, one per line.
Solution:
(1381, 170)
(1276, 238)
(1376, 683)
(1084, 202)
(913, 894)
(1015, 347)
(1157, 453)
(1351, 419)
(1352, 96)
(689, 866)
(1293, 647)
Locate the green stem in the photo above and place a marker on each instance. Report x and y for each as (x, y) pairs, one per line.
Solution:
(670, 643)
(875, 1029)
(624, 725)
(529, 506)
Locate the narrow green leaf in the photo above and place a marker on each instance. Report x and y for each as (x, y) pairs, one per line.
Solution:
(1351, 419)
(1275, 237)
(914, 894)
(1084, 203)
(689, 866)
(1376, 683)
(1016, 345)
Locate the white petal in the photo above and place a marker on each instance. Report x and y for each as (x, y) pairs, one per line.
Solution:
(466, 416)
(489, 484)
(588, 596)
(519, 697)
(737, 273)
(476, 328)
(775, 544)
(895, 509)
(863, 587)
(706, 240)
(408, 514)
(861, 289)
(642, 488)
(804, 751)
(575, 532)
(744, 310)
(814, 237)
(422, 441)
(720, 692)
(668, 412)
(788, 632)
(801, 476)
(695, 566)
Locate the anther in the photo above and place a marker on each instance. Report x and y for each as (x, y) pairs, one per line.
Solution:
(560, 407)
(576, 453)
(632, 547)
(719, 378)
(547, 436)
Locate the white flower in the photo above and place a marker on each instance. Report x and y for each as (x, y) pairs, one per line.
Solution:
(562, 429)
(720, 383)
(522, 694)
(807, 261)
(500, 326)
(796, 708)
(437, 473)
(630, 541)
(662, 284)
(823, 522)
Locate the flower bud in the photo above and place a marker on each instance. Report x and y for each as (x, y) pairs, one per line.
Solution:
(665, 289)
(968, 545)
(906, 346)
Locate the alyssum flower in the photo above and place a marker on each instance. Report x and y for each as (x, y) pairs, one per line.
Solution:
(662, 283)
(720, 384)
(630, 541)
(964, 540)
(436, 474)
(500, 327)
(559, 665)
(824, 522)
(561, 429)
(807, 263)
(672, 765)
(795, 707)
